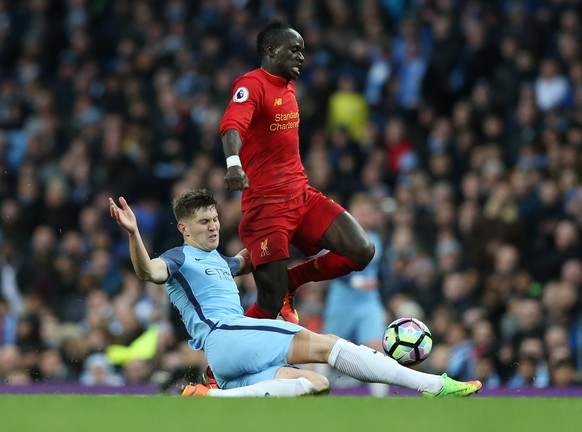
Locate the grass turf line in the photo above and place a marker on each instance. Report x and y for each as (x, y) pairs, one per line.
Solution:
(63, 413)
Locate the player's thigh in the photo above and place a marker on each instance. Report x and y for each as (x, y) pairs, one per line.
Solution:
(317, 218)
(311, 347)
(346, 237)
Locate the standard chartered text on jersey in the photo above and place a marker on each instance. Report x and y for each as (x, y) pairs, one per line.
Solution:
(278, 126)
(287, 116)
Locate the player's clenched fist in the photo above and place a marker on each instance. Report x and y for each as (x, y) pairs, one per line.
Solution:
(236, 179)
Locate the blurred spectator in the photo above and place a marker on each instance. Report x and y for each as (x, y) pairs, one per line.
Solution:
(408, 78)
(98, 371)
(555, 338)
(551, 87)
(532, 369)
(10, 361)
(348, 108)
(400, 153)
(461, 359)
(137, 371)
(560, 300)
(51, 368)
(462, 121)
(566, 244)
(11, 302)
(486, 372)
(562, 370)
(446, 48)
(354, 308)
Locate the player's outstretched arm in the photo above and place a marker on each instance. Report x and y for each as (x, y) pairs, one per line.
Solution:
(240, 264)
(152, 270)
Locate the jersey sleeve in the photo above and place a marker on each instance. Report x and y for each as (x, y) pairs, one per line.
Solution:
(174, 259)
(246, 97)
(233, 264)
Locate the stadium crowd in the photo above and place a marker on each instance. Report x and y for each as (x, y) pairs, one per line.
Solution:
(461, 121)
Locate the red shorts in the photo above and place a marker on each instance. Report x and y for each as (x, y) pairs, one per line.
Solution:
(267, 230)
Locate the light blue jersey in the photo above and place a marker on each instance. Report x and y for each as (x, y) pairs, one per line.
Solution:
(241, 350)
(202, 288)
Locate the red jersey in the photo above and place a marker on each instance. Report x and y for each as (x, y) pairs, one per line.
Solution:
(264, 111)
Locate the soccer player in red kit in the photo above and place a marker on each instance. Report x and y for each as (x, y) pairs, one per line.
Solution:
(260, 137)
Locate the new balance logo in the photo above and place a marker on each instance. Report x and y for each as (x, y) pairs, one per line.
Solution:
(278, 102)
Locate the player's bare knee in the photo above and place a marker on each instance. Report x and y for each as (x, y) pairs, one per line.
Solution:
(363, 252)
(328, 342)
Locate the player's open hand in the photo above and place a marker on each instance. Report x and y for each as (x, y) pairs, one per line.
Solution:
(236, 179)
(123, 215)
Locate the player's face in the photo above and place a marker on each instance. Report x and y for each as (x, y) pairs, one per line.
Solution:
(288, 55)
(201, 231)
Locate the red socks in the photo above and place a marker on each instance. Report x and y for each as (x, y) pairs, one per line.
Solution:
(256, 312)
(324, 267)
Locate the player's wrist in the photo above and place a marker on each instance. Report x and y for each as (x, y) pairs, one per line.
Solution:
(232, 161)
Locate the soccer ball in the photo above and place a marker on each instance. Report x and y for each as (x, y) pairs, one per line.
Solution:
(408, 341)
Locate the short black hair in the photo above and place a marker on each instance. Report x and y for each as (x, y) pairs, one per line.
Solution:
(270, 34)
(187, 204)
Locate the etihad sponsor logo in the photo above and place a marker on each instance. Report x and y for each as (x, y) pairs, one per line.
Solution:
(221, 273)
(285, 121)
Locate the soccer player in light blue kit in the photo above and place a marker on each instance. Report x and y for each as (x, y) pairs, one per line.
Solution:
(353, 307)
(249, 356)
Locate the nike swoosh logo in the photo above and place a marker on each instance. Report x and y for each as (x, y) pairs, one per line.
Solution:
(198, 259)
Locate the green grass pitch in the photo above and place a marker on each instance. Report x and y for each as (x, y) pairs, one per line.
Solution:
(64, 413)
